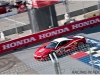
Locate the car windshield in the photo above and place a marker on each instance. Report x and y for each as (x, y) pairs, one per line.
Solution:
(52, 45)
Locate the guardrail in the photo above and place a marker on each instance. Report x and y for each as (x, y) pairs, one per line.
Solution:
(92, 14)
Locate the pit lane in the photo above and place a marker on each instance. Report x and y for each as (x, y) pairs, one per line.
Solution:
(67, 63)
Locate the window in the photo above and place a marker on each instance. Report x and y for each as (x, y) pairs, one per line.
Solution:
(63, 43)
(52, 45)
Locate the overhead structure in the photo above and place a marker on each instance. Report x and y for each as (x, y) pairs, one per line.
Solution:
(42, 14)
(43, 3)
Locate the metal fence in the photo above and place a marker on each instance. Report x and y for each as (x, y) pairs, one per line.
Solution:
(20, 23)
(63, 64)
(66, 63)
(15, 26)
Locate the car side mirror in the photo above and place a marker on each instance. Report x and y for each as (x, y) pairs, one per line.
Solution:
(56, 48)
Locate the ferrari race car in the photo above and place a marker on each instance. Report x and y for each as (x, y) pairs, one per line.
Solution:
(60, 46)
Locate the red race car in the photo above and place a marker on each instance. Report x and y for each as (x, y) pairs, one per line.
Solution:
(60, 46)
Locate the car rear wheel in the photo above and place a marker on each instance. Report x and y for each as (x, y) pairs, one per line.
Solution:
(80, 45)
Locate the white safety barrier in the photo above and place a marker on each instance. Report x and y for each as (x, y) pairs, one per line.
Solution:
(2, 36)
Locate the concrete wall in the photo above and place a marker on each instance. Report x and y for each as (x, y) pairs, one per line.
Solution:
(20, 29)
(78, 12)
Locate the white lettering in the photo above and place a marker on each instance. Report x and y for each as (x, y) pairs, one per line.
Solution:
(60, 31)
(42, 36)
(32, 39)
(85, 23)
(13, 44)
(75, 26)
(98, 20)
(48, 34)
(52, 33)
(81, 25)
(66, 29)
(6, 46)
(18, 43)
(26, 41)
(92, 21)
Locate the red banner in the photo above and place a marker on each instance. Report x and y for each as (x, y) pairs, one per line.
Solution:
(41, 3)
(48, 34)
(3, 10)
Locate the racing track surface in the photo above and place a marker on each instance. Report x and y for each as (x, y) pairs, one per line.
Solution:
(67, 63)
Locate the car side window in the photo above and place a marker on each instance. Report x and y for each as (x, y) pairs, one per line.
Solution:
(62, 43)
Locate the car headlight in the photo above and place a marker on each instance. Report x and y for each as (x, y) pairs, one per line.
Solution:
(45, 56)
(36, 56)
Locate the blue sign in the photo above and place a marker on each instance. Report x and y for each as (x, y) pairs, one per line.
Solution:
(88, 61)
(93, 41)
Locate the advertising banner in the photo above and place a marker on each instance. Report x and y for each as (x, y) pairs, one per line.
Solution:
(48, 34)
(42, 3)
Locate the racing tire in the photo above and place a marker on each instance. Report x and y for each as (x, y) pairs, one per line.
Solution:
(80, 46)
(48, 58)
(68, 53)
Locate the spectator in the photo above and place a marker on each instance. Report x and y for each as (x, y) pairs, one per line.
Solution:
(8, 8)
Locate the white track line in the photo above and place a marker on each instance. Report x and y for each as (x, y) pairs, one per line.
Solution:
(15, 21)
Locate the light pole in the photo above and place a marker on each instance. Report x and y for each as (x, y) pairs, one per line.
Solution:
(67, 9)
(83, 7)
(91, 59)
(51, 17)
(31, 15)
(15, 26)
(55, 61)
(98, 6)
